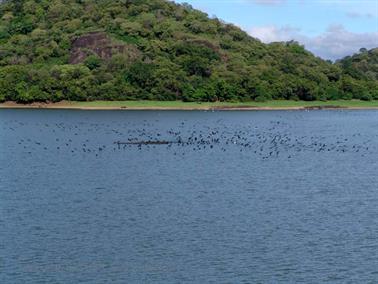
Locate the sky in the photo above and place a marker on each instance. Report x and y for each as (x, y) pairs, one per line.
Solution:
(330, 29)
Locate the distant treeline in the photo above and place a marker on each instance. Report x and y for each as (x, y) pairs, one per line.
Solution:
(157, 50)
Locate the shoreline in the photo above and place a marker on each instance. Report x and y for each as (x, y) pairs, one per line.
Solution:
(161, 106)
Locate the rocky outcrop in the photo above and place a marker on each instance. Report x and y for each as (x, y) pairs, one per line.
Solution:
(99, 44)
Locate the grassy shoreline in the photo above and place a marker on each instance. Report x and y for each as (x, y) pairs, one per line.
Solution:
(178, 105)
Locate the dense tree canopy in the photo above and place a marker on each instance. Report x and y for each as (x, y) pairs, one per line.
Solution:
(52, 50)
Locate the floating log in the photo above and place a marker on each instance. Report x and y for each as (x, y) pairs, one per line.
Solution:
(147, 142)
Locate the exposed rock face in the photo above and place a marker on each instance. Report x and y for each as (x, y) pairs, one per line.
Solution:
(99, 44)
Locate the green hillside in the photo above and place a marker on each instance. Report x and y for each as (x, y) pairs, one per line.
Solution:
(84, 50)
(363, 65)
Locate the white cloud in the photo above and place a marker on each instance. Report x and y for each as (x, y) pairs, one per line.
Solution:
(355, 14)
(272, 33)
(336, 42)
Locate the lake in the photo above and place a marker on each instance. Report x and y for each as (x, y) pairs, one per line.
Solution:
(231, 197)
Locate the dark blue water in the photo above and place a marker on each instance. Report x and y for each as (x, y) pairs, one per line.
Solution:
(239, 197)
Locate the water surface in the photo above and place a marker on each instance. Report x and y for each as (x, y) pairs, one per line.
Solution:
(240, 197)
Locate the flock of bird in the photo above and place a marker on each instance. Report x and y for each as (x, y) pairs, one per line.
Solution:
(269, 141)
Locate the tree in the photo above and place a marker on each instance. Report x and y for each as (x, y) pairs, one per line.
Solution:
(141, 74)
(157, 49)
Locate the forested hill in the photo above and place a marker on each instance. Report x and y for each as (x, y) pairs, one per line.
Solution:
(155, 49)
(363, 65)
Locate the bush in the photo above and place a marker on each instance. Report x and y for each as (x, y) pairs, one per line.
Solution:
(366, 96)
(261, 98)
(93, 62)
